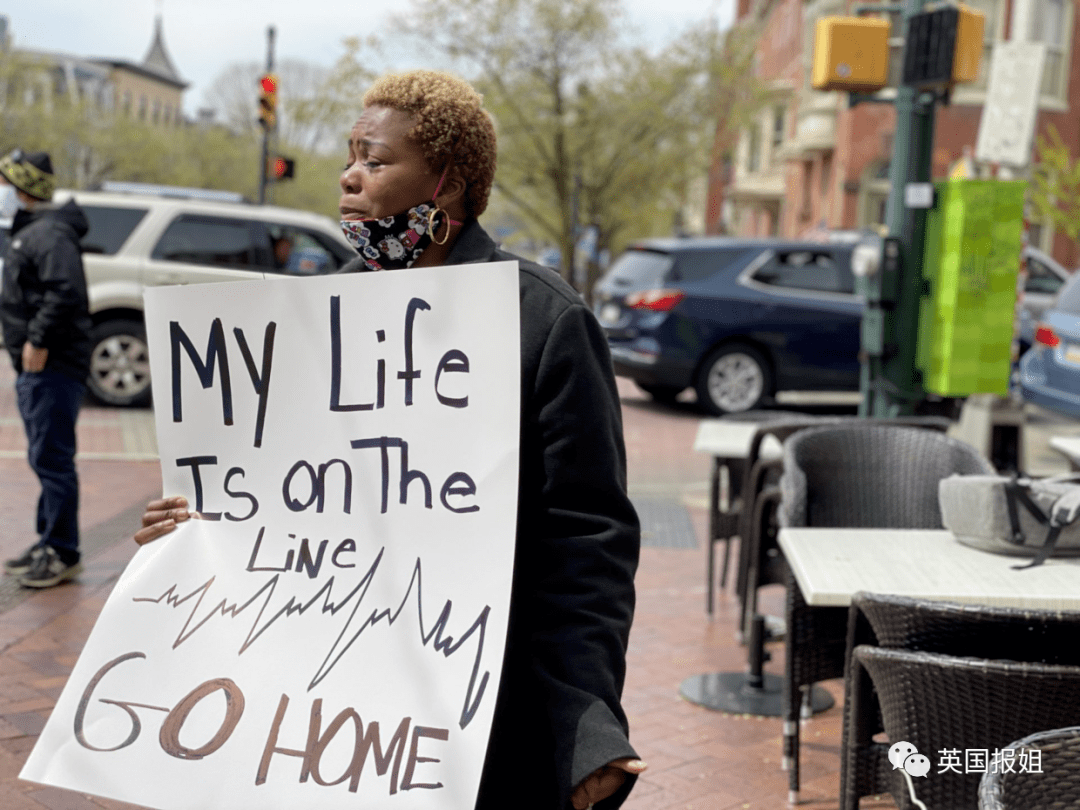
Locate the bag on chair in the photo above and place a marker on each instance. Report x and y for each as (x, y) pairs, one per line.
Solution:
(1020, 516)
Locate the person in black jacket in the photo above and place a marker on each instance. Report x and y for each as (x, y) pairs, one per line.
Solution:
(420, 167)
(46, 326)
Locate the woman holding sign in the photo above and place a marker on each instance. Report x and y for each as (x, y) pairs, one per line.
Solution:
(420, 167)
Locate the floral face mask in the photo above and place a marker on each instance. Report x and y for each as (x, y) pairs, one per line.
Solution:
(395, 242)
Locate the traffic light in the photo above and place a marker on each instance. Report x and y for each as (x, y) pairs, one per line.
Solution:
(268, 101)
(282, 168)
(944, 47)
(851, 53)
(969, 45)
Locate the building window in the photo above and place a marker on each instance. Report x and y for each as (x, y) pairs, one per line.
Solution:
(1050, 22)
(993, 11)
(778, 121)
(874, 195)
(1041, 236)
(807, 210)
(753, 158)
(142, 108)
(126, 103)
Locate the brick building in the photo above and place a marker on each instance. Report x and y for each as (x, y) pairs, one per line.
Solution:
(809, 161)
(150, 91)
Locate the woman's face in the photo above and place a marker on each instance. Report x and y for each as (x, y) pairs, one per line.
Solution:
(386, 172)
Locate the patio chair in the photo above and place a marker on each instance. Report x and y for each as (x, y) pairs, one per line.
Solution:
(943, 703)
(725, 520)
(1055, 784)
(760, 562)
(865, 475)
(924, 625)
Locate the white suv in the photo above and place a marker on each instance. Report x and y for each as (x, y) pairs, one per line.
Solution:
(181, 236)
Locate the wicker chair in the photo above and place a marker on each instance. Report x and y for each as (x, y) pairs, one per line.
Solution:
(900, 622)
(725, 523)
(942, 702)
(853, 475)
(760, 562)
(1055, 784)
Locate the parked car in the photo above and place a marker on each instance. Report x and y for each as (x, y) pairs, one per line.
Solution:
(1044, 279)
(139, 240)
(736, 319)
(1050, 371)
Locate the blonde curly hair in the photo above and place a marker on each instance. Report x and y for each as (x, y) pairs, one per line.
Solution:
(452, 126)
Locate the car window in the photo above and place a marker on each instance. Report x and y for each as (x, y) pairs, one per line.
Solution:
(819, 271)
(214, 241)
(1040, 278)
(640, 269)
(300, 252)
(1069, 297)
(110, 226)
(697, 265)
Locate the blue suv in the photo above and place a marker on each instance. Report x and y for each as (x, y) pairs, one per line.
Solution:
(736, 319)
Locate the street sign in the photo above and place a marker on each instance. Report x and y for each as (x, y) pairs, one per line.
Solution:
(919, 195)
(1012, 101)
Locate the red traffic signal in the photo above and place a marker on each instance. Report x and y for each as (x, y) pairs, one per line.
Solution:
(282, 168)
(268, 101)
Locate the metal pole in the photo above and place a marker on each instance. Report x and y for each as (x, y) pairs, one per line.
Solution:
(891, 382)
(265, 157)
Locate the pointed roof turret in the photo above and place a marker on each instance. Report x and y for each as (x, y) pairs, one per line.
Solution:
(157, 58)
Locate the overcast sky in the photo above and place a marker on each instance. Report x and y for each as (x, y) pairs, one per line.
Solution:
(204, 36)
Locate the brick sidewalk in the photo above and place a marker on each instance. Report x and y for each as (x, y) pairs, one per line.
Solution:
(699, 759)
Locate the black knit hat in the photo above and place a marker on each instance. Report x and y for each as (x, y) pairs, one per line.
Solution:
(31, 172)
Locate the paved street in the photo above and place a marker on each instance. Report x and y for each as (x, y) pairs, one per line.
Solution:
(699, 760)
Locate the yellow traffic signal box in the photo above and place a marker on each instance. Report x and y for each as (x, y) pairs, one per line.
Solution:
(851, 53)
(969, 44)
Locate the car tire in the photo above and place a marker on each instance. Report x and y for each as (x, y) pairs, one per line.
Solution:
(733, 379)
(119, 364)
(665, 394)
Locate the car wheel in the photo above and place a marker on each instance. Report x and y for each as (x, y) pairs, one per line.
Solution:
(733, 379)
(119, 363)
(665, 394)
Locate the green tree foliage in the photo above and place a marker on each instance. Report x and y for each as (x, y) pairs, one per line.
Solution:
(325, 115)
(316, 105)
(1054, 191)
(90, 145)
(593, 131)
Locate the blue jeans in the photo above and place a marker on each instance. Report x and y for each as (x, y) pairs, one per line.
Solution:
(49, 405)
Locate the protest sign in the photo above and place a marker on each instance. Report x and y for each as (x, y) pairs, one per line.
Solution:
(330, 635)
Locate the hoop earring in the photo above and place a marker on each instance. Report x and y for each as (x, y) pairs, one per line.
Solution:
(432, 226)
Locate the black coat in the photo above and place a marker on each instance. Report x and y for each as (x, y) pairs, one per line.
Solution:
(43, 296)
(558, 715)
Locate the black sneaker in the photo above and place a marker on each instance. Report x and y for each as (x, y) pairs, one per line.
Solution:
(22, 563)
(48, 569)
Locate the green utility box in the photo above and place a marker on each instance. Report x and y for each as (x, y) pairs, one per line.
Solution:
(971, 261)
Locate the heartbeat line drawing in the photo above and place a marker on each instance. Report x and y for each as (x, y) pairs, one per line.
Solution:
(260, 603)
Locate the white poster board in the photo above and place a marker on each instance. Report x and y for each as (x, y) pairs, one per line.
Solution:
(332, 635)
(1007, 125)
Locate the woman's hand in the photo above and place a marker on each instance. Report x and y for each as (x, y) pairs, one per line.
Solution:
(603, 782)
(34, 358)
(161, 517)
